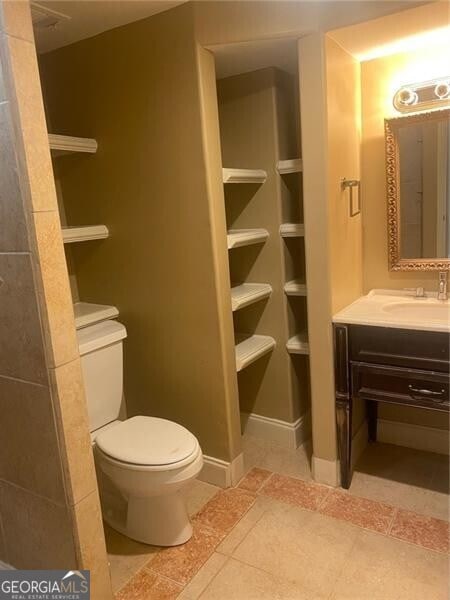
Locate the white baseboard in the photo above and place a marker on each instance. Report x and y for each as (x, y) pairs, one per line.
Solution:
(222, 473)
(325, 471)
(288, 435)
(328, 471)
(419, 437)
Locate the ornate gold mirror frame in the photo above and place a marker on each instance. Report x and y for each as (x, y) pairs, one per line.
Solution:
(396, 263)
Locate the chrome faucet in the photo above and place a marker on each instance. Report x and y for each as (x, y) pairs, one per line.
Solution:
(442, 290)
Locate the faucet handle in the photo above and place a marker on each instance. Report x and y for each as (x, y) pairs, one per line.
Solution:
(442, 289)
(419, 292)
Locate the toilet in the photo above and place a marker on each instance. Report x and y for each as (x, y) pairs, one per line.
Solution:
(143, 463)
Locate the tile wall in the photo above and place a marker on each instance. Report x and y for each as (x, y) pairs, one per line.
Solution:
(49, 508)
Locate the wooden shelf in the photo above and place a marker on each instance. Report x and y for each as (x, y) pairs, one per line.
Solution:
(246, 237)
(295, 287)
(250, 348)
(294, 165)
(65, 144)
(298, 344)
(292, 230)
(87, 313)
(248, 293)
(243, 176)
(84, 234)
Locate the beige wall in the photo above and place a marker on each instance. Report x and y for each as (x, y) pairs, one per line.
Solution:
(49, 508)
(211, 23)
(344, 140)
(329, 91)
(315, 206)
(138, 91)
(380, 80)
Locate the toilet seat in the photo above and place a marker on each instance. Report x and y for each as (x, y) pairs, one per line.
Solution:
(148, 443)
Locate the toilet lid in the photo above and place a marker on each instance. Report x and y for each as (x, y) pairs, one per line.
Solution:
(147, 441)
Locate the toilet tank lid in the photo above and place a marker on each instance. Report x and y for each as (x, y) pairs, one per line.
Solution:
(99, 336)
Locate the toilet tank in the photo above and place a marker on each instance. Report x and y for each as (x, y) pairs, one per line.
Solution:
(101, 355)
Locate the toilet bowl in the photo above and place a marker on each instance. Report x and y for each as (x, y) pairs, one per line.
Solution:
(143, 463)
(150, 461)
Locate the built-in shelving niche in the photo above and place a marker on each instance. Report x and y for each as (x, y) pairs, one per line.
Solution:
(85, 313)
(264, 226)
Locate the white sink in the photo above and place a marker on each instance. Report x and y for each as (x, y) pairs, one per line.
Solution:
(434, 311)
(396, 308)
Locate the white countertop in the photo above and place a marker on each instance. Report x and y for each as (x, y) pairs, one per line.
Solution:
(397, 308)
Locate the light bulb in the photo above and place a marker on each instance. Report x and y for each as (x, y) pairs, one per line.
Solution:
(442, 90)
(407, 97)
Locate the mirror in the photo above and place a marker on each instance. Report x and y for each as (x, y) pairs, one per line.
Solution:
(418, 186)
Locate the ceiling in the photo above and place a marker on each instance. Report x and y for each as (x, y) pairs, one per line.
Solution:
(85, 18)
(232, 59)
(418, 27)
(91, 17)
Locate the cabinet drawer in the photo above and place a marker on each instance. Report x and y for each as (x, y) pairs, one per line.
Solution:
(425, 389)
(425, 350)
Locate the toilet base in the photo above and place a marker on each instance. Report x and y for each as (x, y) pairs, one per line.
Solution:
(155, 520)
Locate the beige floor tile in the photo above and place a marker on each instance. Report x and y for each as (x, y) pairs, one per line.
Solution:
(254, 479)
(381, 568)
(262, 454)
(238, 581)
(398, 464)
(299, 546)
(238, 533)
(407, 478)
(181, 563)
(402, 495)
(126, 557)
(198, 494)
(209, 570)
(306, 494)
(440, 478)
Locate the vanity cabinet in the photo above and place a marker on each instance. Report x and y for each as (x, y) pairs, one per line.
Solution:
(386, 364)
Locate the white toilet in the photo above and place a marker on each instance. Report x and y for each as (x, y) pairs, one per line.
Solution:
(143, 463)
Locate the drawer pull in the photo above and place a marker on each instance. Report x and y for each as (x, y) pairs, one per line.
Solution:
(426, 393)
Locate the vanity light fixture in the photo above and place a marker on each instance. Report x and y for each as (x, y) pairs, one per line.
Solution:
(423, 96)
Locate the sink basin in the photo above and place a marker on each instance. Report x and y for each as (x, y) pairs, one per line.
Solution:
(429, 311)
(398, 308)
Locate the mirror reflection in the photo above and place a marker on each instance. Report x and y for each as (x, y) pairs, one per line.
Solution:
(424, 191)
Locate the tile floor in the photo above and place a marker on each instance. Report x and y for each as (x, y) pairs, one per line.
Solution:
(278, 535)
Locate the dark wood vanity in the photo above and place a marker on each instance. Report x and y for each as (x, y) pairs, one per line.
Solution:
(386, 364)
